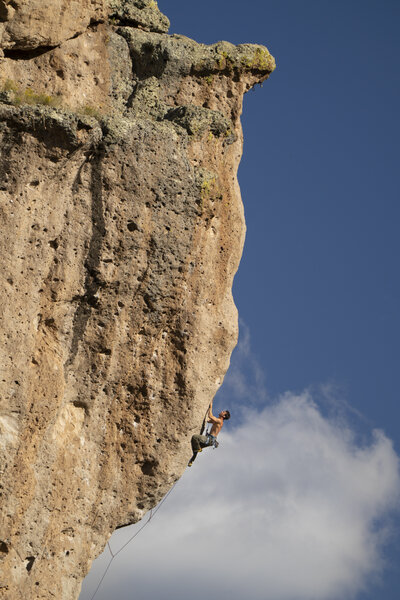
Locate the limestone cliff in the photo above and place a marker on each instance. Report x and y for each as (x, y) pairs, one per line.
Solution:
(121, 230)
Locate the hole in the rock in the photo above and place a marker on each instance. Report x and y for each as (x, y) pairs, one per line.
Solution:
(29, 562)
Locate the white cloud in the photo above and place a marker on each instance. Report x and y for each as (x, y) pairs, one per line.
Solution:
(290, 507)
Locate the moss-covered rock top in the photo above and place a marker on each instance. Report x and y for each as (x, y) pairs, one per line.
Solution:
(144, 14)
(159, 54)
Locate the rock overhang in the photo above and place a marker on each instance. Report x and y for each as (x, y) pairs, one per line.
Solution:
(122, 229)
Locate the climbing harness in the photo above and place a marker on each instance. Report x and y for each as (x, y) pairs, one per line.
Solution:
(115, 554)
(212, 440)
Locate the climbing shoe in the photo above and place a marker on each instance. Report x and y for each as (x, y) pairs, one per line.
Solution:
(191, 461)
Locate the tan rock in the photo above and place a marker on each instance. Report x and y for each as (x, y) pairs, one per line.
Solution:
(121, 230)
(29, 24)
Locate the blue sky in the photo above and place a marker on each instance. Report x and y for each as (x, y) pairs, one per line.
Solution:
(318, 295)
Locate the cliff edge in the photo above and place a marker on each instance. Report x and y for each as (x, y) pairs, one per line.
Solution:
(121, 230)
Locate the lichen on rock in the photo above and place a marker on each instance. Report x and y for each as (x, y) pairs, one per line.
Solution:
(122, 228)
(144, 14)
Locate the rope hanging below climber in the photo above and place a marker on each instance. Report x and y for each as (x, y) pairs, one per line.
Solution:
(198, 443)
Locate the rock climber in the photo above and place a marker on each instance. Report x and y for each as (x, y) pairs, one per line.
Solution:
(210, 439)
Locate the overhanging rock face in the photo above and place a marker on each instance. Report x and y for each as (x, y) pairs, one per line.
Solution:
(121, 231)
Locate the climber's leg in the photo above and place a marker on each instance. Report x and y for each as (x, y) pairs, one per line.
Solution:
(199, 442)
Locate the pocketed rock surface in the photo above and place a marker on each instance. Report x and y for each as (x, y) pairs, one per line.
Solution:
(121, 230)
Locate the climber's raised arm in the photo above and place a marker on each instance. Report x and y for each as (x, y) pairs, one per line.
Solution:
(211, 418)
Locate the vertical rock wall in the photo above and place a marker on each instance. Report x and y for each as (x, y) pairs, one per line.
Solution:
(121, 230)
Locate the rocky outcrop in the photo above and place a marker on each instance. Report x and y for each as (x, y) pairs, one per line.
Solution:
(30, 24)
(121, 230)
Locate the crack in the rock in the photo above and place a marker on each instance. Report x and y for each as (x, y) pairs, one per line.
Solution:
(28, 54)
(89, 301)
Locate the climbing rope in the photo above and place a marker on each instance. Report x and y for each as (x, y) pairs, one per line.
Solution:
(204, 424)
(152, 513)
